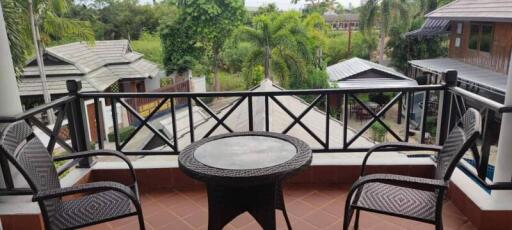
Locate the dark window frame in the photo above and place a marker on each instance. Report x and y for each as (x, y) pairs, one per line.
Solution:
(480, 34)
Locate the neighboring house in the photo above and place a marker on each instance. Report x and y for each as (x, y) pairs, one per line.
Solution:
(103, 66)
(480, 35)
(360, 73)
(357, 72)
(344, 22)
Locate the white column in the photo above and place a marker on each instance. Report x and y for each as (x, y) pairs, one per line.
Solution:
(10, 103)
(503, 171)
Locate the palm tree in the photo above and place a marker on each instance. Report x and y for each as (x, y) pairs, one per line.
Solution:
(46, 20)
(317, 31)
(384, 12)
(17, 32)
(282, 45)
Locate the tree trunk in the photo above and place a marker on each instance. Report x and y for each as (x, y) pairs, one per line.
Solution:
(39, 57)
(267, 62)
(382, 44)
(216, 54)
(319, 55)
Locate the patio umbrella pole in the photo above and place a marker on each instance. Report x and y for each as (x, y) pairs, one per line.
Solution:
(503, 171)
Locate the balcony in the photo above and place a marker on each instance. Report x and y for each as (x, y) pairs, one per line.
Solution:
(336, 123)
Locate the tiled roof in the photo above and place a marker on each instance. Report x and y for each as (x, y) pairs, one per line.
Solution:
(475, 10)
(347, 74)
(97, 65)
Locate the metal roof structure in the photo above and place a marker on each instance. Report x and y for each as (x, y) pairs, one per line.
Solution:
(482, 77)
(97, 65)
(357, 72)
(475, 10)
(431, 28)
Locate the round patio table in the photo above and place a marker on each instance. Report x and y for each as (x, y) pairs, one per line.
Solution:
(244, 172)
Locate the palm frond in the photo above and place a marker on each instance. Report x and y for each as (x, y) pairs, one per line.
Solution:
(54, 26)
(17, 33)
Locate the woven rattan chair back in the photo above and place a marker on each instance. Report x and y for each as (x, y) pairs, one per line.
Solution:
(26, 152)
(457, 143)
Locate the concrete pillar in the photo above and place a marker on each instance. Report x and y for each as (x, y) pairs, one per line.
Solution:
(10, 103)
(503, 170)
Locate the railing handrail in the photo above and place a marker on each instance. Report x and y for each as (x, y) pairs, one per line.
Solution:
(36, 110)
(87, 95)
(496, 106)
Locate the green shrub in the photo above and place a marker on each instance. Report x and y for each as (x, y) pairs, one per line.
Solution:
(432, 126)
(150, 46)
(378, 132)
(124, 133)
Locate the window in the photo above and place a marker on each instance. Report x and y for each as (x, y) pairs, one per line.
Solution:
(473, 37)
(459, 27)
(480, 37)
(457, 42)
(486, 39)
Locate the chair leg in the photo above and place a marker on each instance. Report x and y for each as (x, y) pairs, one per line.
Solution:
(356, 223)
(347, 218)
(141, 221)
(439, 223)
(288, 224)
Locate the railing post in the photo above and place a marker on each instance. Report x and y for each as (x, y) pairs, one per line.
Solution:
(445, 105)
(77, 122)
(486, 144)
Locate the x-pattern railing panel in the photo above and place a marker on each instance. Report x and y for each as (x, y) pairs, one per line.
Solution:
(297, 120)
(146, 123)
(376, 117)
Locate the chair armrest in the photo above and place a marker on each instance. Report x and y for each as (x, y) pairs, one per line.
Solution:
(399, 179)
(86, 188)
(402, 146)
(99, 153)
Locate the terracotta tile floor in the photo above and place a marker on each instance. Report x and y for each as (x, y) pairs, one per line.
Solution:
(309, 206)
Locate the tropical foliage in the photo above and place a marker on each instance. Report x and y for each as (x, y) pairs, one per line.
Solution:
(50, 20)
(401, 49)
(282, 45)
(383, 13)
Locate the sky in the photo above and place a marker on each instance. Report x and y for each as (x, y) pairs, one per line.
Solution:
(283, 4)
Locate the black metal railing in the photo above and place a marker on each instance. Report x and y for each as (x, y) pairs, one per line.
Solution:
(452, 104)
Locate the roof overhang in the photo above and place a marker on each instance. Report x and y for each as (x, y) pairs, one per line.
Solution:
(474, 10)
(431, 28)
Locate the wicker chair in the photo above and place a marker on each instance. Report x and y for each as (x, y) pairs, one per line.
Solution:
(419, 199)
(98, 202)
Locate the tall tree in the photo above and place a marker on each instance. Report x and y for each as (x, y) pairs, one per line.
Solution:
(207, 26)
(282, 45)
(317, 32)
(213, 21)
(383, 12)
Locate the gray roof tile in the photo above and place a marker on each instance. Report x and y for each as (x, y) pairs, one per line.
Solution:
(98, 66)
(484, 10)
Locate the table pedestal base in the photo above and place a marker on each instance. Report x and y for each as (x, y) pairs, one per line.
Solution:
(226, 203)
